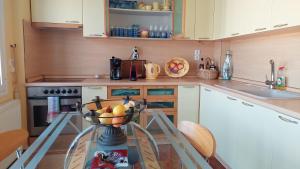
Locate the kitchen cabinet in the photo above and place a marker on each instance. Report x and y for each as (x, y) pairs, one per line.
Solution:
(188, 103)
(204, 19)
(285, 142)
(285, 13)
(199, 19)
(190, 19)
(178, 17)
(89, 93)
(221, 120)
(57, 11)
(94, 18)
(248, 135)
(254, 135)
(219, 19)
(160, 92)
(120, 92)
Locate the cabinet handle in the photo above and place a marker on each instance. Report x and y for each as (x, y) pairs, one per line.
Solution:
(189, 87)
(72, 21)
(95, 87)
(259, 29)
(280, 25)
(235, 34)
(247, 104)
(230, 98)
(95, 35)
(287, 120)
(208, 90)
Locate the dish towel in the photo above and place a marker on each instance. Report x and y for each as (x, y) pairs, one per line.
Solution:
(53, 108)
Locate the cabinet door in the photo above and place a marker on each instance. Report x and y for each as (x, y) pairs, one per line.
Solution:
(204, 19)
(57, 11)
(94, 18)
(216, 113)
(219, 19)
(178, 17)
(88, 94)
(285, 13)
(285, 141)
(160, 92)
(253, 148)
(190, 19)
(258, 15)
(118, 92)
(188, 103)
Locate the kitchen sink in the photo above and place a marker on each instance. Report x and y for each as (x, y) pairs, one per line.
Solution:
(260, 91)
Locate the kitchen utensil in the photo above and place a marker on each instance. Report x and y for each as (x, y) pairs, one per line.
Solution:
(152, 71)
(141, 71)
(148, 7)
(115, 68)
(156, 6)
(177, 67)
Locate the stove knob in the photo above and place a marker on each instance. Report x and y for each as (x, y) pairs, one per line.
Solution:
(46, 91)
(69, 91)
(75, 91)
(52, 91)
(57, 91)
(64, 91)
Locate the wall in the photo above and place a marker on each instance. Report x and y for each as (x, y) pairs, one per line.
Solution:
(251, 55)
(66, 52)
(8, 17)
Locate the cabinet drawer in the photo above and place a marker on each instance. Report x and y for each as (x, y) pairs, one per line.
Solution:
(147, 117)
(116, 92)
(163, 104)
(160, 91)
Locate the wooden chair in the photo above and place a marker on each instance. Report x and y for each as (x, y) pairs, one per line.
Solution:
(200, 137)
(11, 141)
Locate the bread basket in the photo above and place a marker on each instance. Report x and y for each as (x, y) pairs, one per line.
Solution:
(207, 74)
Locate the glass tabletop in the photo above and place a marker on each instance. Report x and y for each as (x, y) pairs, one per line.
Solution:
(159, 145)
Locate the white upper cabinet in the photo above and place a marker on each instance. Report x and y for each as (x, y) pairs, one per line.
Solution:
(94, 18)
(258, 15)
(188, 103)
(190, 19)
(199, 16)
(285, 13)
(204, 19)
(57, 11)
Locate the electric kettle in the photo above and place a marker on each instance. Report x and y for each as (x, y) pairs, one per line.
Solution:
(152, 71)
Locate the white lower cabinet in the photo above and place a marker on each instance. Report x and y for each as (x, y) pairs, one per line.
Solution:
(249, 136)
(89, 93)
(285, 142)
(188, 103)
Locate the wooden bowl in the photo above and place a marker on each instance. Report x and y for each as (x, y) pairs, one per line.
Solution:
(177, 67)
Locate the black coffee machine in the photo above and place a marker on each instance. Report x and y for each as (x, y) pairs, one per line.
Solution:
(115, 68)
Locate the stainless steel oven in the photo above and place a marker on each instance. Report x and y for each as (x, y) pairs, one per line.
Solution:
(37, 100)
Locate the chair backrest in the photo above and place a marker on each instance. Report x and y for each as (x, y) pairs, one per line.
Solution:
(200, 137)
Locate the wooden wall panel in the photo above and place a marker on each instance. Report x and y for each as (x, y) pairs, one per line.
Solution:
(66, 52)
(251, 55)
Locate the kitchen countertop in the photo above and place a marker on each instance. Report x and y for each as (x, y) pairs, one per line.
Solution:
(289, 107)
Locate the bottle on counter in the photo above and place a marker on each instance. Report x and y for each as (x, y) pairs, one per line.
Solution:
(227, 69)
(281, 78)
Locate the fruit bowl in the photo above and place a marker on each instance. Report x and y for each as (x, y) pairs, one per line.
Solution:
(177, 67)
(112, 114)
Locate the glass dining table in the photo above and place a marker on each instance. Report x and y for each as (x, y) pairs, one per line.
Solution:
(158, 145)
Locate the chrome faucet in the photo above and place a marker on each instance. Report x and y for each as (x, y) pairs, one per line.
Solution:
(271, 83)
